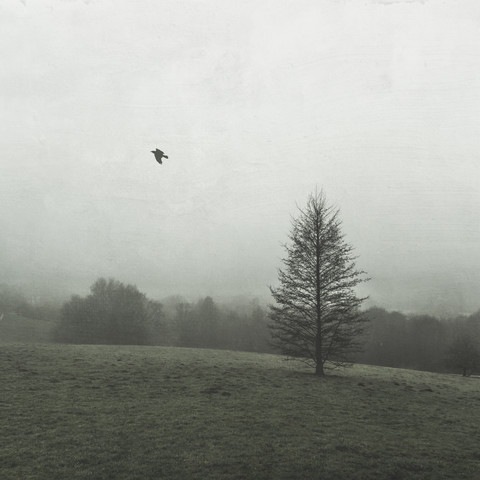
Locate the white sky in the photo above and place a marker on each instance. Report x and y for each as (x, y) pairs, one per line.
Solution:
(256, 103)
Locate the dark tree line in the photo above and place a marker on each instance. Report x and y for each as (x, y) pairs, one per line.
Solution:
(421, 342)
(207, 325)
(114, 313)
(117, 313)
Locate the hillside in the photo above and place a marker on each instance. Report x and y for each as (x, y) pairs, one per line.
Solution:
(115, 412)
(15, 328)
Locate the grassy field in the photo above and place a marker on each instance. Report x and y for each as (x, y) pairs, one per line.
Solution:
(97, 412)
(15, 328)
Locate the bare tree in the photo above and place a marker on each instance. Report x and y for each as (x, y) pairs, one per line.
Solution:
(316, 315)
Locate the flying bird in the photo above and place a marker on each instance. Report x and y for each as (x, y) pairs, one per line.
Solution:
(159, 155)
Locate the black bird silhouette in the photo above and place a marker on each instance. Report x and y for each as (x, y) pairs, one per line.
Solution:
(159, 155)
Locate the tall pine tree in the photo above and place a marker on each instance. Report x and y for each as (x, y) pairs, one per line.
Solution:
(316, 315)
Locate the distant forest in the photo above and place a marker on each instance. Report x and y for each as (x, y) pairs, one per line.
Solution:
(114, 313)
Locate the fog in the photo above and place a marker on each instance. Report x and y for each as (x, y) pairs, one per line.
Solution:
(256, 103)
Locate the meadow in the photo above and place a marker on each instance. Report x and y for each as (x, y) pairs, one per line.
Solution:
(15, 328)
(121, 412)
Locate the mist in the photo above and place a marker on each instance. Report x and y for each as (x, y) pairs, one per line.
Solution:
(256, 104)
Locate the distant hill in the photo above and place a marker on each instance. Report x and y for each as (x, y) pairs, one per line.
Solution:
(15, 328)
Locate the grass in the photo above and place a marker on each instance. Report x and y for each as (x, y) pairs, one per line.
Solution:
(98, 412)
(15, 328)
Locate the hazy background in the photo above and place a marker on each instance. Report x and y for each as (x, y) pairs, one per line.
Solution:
(256, 103)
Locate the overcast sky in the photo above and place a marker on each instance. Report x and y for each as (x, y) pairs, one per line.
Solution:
(256, 103)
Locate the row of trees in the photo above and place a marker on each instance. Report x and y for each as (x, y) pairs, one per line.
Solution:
(391, 338)
(114, 313)
(205, 324)
(421, 342)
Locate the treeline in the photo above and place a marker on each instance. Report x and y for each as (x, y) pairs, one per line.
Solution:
(209, 325)
(421, 342)
(114, 313)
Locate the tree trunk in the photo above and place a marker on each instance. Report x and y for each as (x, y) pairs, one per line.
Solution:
(318, 355)
(318, 339)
